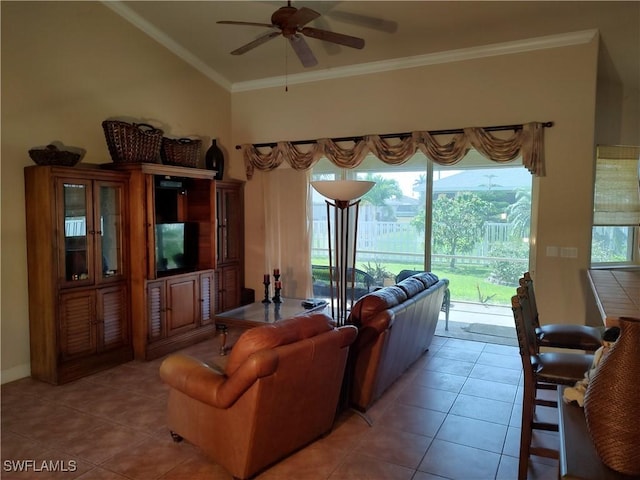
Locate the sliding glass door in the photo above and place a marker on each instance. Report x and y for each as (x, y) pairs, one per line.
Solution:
(480, 217)
(391, 234)
(468, 222)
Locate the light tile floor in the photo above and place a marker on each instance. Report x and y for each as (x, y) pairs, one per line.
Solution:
(484, 323)
(455, 414)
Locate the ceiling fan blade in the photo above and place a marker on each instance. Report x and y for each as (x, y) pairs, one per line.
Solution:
(339, 38)
(251, 24)
(303, 51)
(380, 24)
(256, 43)
(301, 17)
(330, 48)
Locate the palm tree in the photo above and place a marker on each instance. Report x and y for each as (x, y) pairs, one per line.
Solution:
(520, 214)
(384, 189)
(420, 186)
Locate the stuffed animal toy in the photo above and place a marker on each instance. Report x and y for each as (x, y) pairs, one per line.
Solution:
(577, 392)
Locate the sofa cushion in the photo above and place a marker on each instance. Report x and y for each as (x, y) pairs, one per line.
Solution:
(429, 279)
(412, 286)
(277, 334)
(372, 303)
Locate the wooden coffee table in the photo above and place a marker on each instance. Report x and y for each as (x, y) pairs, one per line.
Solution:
(257, 314)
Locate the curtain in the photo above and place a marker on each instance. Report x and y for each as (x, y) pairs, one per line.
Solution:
(288, 230)
(527, 142)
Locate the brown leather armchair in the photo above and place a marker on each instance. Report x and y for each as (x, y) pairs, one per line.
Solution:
(279, 392)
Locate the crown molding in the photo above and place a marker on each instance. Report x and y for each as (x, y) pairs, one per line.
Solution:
(483, 51)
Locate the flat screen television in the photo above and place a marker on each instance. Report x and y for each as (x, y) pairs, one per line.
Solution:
(176, 247)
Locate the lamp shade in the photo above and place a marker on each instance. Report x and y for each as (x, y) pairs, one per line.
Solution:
(344, 190)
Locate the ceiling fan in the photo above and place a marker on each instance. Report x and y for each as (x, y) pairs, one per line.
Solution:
(290, 23)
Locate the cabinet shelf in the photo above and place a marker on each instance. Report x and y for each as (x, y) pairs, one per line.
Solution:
(78, 316)
(160, 169)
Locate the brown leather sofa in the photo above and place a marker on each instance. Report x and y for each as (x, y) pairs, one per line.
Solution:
(279, 392)
(396, 326)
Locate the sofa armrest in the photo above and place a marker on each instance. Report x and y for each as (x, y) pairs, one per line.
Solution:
(199, 381)
(380, 322)
(369, 332)
(348, 334)
(189, 375)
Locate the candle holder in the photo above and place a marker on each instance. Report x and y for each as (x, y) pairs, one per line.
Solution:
(277, 287)
(266, 284)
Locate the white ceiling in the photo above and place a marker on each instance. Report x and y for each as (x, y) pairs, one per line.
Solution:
(396, 34)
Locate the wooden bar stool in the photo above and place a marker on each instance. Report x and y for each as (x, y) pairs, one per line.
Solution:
(544, 370)
(578, 337)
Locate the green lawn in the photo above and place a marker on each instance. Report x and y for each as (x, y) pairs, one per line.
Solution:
(464, 282)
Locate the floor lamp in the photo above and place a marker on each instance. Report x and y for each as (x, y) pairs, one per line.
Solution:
(345, 196)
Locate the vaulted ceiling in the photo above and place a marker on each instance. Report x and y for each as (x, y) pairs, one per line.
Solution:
(397, 34)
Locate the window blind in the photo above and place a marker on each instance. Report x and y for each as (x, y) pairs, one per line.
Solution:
(617, 186)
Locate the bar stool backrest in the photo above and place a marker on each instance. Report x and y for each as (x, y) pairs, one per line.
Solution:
(521, 305)
(527, 283)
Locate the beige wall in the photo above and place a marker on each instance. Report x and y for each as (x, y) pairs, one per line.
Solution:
(617, 114)
(67, 66)
(548, 85)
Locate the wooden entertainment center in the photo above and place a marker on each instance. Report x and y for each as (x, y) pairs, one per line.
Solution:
(127, 261)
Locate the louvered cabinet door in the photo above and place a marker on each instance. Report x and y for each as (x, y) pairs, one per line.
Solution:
(112, 321)
(77, 324)
(207, 297)
(156, 310)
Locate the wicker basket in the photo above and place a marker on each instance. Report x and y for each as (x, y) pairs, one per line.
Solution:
(612, 401)
(183, 152)
(51, 155)
(132, 142)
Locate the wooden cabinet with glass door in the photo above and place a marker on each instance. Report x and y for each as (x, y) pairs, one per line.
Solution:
(230, 244)
(77, 267)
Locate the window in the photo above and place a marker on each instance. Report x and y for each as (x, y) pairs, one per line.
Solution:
(405, 224)
(616, 206)
(390, 232)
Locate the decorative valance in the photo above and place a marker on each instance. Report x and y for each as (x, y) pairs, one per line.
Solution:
(526, 140)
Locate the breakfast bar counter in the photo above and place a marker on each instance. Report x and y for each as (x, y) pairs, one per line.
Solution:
(617, 293)
(578, 457)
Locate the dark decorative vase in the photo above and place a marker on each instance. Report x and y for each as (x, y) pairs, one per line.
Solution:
(214, 160)
(612, 402)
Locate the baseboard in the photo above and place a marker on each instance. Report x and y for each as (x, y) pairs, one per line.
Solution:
(15, 373)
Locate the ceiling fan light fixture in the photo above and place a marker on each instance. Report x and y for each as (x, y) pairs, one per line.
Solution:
(290, 22)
